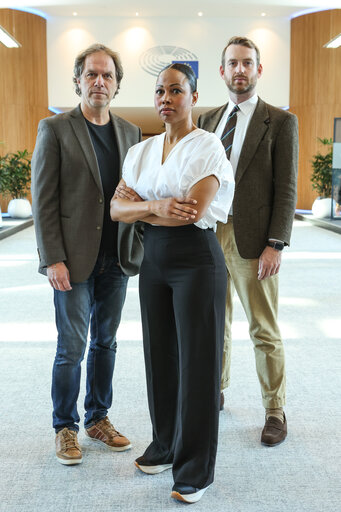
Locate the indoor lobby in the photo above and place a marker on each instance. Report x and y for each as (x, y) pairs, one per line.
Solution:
(301, 75)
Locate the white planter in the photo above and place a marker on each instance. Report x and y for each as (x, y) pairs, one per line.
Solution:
(19, 208)
(322, 208)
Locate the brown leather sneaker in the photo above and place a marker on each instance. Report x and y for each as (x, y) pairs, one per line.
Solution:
(68, 450)
(104, 432)
(274, 431)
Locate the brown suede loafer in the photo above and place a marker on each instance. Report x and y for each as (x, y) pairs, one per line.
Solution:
(274, 431)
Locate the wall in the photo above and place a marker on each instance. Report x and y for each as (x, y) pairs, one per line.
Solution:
(315, 71)
(205, 37)
(23, 87)
(315, 95)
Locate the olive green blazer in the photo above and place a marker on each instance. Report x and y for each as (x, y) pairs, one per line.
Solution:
(67, 196)
(266, 177)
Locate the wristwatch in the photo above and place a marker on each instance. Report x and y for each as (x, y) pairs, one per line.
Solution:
(279, 246)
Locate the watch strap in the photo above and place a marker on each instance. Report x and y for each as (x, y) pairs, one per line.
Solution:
(279, 246)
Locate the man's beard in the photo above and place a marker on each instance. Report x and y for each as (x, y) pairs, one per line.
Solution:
(249, 86)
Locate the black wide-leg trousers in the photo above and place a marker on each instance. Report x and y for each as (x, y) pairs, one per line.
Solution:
(182, 294)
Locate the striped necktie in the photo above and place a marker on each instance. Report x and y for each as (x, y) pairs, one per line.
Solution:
(228, 133)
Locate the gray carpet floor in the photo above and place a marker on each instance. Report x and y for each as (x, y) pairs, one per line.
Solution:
(302, 474)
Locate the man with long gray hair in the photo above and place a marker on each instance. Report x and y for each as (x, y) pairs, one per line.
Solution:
(87, 258)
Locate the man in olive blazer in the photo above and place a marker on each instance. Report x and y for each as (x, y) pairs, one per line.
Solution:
(264, 156)
(68, 204)
(265, 194)
(87, 258)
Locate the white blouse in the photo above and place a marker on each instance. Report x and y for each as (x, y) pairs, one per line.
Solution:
(198, 155)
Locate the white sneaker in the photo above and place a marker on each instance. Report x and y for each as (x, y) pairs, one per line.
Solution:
(190, 495)
(153, 470)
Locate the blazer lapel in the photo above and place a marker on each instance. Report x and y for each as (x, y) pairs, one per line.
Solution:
(212, 121)
(259, 124)
(81, 132)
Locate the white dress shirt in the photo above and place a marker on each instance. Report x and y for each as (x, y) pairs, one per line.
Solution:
(244, 115)
(246, 110)
(198, 155)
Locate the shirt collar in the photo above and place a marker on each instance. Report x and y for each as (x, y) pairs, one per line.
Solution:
(245, 107)
(189, 136)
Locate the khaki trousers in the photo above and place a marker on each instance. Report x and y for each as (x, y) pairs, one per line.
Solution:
(260, 302)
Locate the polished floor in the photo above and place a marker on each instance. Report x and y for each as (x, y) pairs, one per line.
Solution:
(302, 474)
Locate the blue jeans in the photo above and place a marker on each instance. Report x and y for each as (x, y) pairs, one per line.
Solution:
(97, 302)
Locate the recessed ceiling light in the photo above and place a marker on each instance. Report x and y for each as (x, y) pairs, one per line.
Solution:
(7, 39)
(334, 43)
(200, 13)
(263, 14)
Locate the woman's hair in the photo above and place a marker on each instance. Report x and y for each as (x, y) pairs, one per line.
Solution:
(187, 70)
(80, 60)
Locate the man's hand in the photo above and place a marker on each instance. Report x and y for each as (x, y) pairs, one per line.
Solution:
(174, 208)
(59, 277)
(269, 263)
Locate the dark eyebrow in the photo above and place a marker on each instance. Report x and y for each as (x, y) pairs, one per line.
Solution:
(170, 85)
(244, 59)
(104, 73)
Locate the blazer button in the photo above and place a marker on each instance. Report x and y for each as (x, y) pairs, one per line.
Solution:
(98, 228)
(100, 200)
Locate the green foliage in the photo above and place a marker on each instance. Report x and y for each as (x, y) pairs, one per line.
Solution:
(15, 174)
(321, 177)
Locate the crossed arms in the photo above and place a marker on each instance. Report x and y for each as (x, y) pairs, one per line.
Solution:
(127, 206)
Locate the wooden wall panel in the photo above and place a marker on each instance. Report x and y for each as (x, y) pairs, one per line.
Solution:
(23, 88)
(315, 78)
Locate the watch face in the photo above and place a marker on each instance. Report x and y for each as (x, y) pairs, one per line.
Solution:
(279, 246)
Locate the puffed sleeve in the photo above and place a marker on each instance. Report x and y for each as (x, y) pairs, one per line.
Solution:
(127, 169)
(209, 159)
(135, 165)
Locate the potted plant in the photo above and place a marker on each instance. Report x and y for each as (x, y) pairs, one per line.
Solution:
(15, 177)
(321, 179)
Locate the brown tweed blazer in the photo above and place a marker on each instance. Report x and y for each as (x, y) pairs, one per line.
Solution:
(265, 195)
(67, 196)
